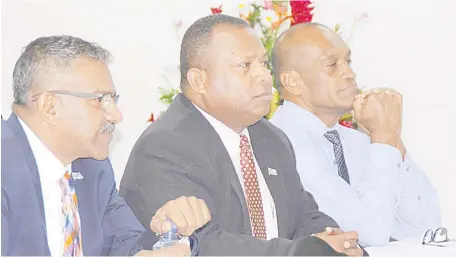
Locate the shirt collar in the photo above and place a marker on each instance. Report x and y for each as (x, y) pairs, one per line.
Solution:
(49, 166)
(307, 119)
(227, 135)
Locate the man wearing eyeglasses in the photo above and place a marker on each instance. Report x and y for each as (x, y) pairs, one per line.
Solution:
(59, 196)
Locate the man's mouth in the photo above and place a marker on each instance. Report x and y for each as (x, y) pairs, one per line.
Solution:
(107, 128)
(350, 89)
(265, 96)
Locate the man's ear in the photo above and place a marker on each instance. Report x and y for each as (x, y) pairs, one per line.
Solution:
(197, 80)
(292, 82)
(47, 105)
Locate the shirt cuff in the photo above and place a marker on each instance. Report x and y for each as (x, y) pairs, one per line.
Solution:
(386, 157)
(194, 245)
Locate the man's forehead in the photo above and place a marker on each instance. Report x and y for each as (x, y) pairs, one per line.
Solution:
(82, 74)
(314, 34)
(326, 48)
(334, 52)
(237, 41)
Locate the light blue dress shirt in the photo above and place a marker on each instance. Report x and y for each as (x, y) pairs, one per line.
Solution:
(387, 196)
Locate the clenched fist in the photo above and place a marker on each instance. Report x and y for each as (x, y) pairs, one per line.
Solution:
(340, 241)
(379, 112)
(187, 213)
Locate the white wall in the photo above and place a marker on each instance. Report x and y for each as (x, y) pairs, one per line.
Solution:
(408, 45)
(139, 35)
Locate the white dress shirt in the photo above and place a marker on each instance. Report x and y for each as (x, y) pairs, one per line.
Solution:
(50, 170)
(232, 140)
(387, 197)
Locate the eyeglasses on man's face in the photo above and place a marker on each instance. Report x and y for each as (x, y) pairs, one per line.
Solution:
(440, 235)
(105, 99)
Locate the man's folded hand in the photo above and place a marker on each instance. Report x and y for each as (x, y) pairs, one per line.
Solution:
(343, 242)
(187, 213)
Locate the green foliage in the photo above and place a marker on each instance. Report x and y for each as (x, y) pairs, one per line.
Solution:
(167, 95)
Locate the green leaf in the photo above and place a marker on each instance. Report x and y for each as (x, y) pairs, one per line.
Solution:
(167, 95)
(337, 28)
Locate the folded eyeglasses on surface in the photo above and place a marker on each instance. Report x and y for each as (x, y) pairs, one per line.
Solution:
(436, 238)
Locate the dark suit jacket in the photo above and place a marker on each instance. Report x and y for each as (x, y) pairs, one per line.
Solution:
(108, 225)
(181, 154)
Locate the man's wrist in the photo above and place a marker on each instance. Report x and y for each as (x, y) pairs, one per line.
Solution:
(391, 139)
(385, 138)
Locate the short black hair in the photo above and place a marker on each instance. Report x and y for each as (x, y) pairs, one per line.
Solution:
(198, 36)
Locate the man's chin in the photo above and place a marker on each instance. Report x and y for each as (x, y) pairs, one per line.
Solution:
(262, 111)
(100, 154)
(345, 108)
(100, 158)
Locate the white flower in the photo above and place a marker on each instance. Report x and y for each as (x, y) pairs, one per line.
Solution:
(268, 17)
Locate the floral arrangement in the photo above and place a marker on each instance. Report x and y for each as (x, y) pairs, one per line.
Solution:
(269, 19)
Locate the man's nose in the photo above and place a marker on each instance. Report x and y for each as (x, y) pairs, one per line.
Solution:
(113, 114)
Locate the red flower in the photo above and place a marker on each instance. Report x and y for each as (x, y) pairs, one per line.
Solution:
(151, 118)
(347, 123)
(300, 12)
(216, 10)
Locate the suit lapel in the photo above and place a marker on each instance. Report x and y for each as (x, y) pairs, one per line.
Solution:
(82, 193)
(266, 159)
(220, 155)
(19, 133)
(82, 173)
(224, 161)
(86, 214)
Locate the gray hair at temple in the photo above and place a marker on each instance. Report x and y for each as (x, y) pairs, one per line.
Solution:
(47, 52)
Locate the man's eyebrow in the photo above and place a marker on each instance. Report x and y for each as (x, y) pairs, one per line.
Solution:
(328, 56)
(104, 92)
(252, 55)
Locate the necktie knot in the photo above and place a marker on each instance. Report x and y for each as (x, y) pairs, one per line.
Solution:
(244, 141)
(333, 137)
(65, 183)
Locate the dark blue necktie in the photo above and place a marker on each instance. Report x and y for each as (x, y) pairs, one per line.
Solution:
(334, 138)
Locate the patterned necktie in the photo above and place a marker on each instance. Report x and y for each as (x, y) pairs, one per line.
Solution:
(334, 138)
(252, 190)
(72, 244)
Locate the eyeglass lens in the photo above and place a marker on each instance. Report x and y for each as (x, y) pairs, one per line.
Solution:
(428, 236)
(441, 235)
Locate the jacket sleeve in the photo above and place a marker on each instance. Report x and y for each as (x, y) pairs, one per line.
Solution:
(166, 166)
(122, 232)
(5, 228)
